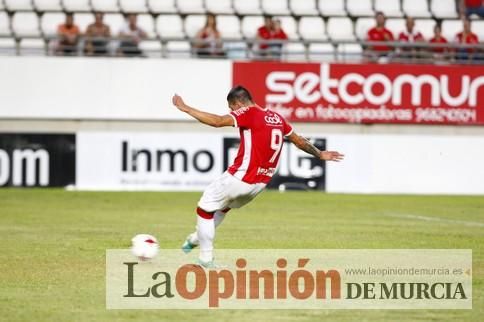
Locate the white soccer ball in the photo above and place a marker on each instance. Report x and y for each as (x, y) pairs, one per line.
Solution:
(144, 246)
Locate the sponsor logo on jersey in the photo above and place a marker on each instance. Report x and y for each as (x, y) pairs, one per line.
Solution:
(240, 111)
(266, 171)
(273, 119)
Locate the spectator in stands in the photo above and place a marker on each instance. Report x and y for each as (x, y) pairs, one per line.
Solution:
(97, 37)
(208, 39)
(410, 36)
(68, 34)
(270, 37)
(438, 52)
(379, 34)
(470, 7)
(278, 38)
(466, 37)
(130, 36)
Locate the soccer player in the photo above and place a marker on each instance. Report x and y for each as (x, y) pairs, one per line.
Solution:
(262, 133)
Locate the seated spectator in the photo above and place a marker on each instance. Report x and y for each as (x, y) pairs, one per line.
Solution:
(277, 34)
(97, 37)
(472, 7)
(438, 52)
(410, 36)
(207, 42)
(270, 36)
(466, 37)
(130, 36)
(68, 34)
(379, 34)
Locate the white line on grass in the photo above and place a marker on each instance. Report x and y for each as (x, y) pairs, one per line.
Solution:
(438, 219)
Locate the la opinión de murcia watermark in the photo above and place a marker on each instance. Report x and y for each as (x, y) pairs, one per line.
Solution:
(263, 283)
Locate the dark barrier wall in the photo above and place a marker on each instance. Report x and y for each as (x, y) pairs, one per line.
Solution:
(37, 160)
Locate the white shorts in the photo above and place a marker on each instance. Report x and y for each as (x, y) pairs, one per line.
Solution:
(228, 192)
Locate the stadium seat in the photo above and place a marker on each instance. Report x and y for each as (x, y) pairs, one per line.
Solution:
(115, 21)
(359, 8)
(478, 28)
(177, 49)
(47, 5)
(426, 27)
(312, 28)
(340, 29)
(162, 6)
(294, 52)
(416, 8)
(247, 7)
(151, 48)
(444, 9)
(350, 52)
(229, 27)
(391, 8)
(169, 26)
(275, 7)
(332, 8)
(450, 28)
(77, 5)
(362, 26)
(289, 26)
(250, 24)
(34, 47)
(4, 24)
(8, 47)
(396, 26)
(49, 23)
(219, 6)
(321, 52)
(146, 22)
(25, 24)
(303, 7)
(83, 20)
(18, 5)
(193, 23)
(190, 6)
(105, 5)
(130, 6)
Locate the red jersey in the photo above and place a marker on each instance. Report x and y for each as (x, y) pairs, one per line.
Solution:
(441, 40)
(279, 35)
(468, 40)
(264, 33)
(377, 34)
(474, 3)
(262, 134)
(410, 37)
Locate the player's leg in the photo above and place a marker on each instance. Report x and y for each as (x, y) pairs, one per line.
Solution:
(192, 239)
(213, 199)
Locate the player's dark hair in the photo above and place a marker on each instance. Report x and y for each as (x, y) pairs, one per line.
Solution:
(239, 94)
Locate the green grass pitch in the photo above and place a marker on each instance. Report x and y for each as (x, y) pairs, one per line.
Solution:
(53, 242)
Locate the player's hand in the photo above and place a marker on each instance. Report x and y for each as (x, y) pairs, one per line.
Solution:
(179, 103)
(331, 156)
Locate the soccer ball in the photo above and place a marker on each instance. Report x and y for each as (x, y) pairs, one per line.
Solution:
(144, 246)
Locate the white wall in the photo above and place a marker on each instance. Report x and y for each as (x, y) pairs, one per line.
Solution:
(407, 164)
(43, 87)
(374, 163)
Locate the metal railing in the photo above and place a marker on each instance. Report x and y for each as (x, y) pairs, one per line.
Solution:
(250, 49)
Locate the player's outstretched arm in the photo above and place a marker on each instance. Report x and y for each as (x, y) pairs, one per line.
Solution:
(303, 144)
(203, 117)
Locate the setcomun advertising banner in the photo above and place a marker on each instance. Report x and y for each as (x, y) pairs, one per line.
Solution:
(367, 93)
(178, 161)
(37, 160)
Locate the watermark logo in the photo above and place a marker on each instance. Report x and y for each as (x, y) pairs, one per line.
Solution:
(292, 279)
